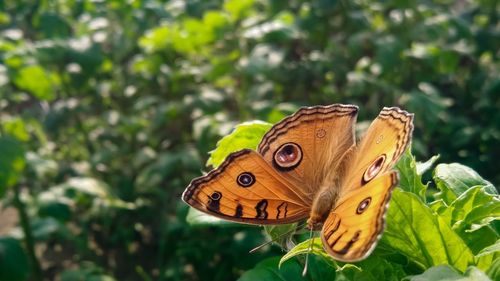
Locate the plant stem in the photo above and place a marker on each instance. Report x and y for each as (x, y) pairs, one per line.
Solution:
(28, 235)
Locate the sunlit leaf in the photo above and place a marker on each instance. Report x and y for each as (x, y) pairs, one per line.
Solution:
(447, 273)
(409, 178)
(494, 270)
(415, 231)
(244, 135)
(315, 248)
(473, 209)
(35, 80)
(486, 257)
(16, 127)
(454, 179)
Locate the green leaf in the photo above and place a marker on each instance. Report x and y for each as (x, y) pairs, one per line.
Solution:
(35, 80)
(238, 8)
(422, 167)
(447, 273)
(281, 234)
(12, 162)
(473, 209)
(13, 261)
(487, 256)
(479, 239)
(409, 178)
(268, 270)
(304, 247)
(495, 248)
(415, 231)
(16, 128)
(494, 270)
(245, 135)
(454, 179)
(372, 269)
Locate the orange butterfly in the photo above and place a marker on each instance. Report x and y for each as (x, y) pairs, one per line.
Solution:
(309, 166)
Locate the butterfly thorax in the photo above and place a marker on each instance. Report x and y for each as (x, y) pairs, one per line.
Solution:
(323, 203)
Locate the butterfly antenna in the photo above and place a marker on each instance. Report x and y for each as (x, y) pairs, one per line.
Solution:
(275, 239)
(309, 249)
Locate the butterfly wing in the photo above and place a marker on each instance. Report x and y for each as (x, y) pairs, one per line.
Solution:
(353, 228)
(381, 147)
(305, 146)
(246, 189)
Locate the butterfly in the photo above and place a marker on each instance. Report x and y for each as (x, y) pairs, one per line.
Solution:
(308, 166)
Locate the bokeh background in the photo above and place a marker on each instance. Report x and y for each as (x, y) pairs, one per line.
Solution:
(115, 105)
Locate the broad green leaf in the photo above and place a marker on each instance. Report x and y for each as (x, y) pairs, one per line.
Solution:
(454, 179)
(245, 135)
(302, 248)
(12, 162)
(415, 231)
(495, 248)
(487, 256)
(447, 273)
(473, 209)
(281, 234)
(13, 261)
(409, 178)
(268, 270)
(479, 239)
(371, 269)
(35, 80)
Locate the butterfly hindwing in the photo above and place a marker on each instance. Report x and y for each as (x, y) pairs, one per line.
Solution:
(353, 228)
(244, 188)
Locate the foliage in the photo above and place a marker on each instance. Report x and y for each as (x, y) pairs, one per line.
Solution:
(424, 234)
(109, 108)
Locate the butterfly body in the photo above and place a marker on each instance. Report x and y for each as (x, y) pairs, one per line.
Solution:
(308, 166)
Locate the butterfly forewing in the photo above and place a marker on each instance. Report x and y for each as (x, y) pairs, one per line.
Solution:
(307, 145)
(246, 189)
(380, 148)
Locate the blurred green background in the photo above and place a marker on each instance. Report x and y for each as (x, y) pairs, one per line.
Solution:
(109, 109)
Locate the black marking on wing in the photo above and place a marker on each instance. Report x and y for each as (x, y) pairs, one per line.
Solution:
(213, 203)
(280, 208)
(261, 209)
(335, 228)
(349, 244)
(239, 211)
